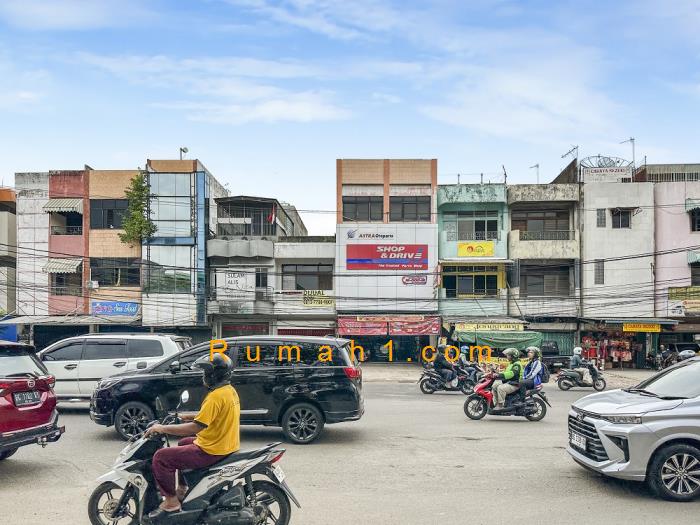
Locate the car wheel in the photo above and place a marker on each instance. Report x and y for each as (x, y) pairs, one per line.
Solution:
(302, 423)
(599, 385)
(132, 418)
(7, 453)
(674, 473)
(426, 386)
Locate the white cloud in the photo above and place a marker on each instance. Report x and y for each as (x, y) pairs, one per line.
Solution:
(21, 89)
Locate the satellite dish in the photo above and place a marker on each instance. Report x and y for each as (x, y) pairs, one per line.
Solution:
(602, 161)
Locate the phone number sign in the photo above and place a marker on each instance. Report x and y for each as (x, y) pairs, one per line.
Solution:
(387, 257)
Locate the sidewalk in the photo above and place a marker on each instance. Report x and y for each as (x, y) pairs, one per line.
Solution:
(626, 377)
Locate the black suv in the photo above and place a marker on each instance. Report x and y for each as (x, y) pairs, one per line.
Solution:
(274, 388)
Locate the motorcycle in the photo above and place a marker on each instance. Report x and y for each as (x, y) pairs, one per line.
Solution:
(568, 378)
(532, 408)
(223, 493)
(467, 376)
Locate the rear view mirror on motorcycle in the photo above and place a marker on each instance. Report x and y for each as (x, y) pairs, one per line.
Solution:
(184, 397)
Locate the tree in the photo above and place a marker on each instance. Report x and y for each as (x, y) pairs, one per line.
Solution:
(137, 225)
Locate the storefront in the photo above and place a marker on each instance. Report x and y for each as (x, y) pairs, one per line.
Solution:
(235, 329)
(391, 337)
(306, 327)
(497, 335)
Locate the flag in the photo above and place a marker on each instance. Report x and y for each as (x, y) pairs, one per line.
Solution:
(272, 216)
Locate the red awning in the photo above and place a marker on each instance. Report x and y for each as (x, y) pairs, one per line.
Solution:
(319, 332)
(351, 326)
(428, 326)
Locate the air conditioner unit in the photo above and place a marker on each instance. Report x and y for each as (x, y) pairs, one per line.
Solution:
(93, 285)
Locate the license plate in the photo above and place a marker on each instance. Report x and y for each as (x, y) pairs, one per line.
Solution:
(279, 473)
(26, 398)
(578, 440)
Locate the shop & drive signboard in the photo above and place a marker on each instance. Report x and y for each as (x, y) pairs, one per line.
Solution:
(387, 257)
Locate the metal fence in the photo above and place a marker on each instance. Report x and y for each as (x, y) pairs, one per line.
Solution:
(66, 230)
(547, 235)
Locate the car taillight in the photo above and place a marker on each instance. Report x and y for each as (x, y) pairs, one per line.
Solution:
(51, 381)
(276, 458)
(4, 387)
(352, 372)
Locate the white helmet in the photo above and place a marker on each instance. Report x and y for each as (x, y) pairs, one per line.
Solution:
(578, 350)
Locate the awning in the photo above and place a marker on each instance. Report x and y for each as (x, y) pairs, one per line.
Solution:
(69, 265)
(319, 332)
(693, 256)
(70, 319)
(499, 339)
(64, 205)
(351, 326)
(692, 204)
(623, 320)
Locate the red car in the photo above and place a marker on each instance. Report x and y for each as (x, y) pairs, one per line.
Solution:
(27, 403)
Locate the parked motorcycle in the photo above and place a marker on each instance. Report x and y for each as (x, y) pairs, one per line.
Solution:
(480, 403)
(568, 378)
(224, 493)
(467, 376)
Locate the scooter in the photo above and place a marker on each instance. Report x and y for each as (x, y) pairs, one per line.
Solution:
(431, 381)
(568, 378)
(480, 403)
(224, 493)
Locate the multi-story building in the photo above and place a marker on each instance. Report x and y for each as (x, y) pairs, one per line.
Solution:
(8, 261)
(386, 262)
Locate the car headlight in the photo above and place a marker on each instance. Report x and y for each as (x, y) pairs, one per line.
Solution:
(626, 419)
(106, 383)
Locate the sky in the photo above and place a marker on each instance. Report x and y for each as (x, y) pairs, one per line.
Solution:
(267, 94)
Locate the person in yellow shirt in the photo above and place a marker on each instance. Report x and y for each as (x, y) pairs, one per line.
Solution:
(216, 430)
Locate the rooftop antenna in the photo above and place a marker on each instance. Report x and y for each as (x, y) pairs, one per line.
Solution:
(573, 152)
(482, 178)
(631, 141)
(458, 178)
(505, 174)
(537, 167)
(183, 150)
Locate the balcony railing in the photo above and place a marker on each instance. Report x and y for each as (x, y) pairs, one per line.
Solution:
(479, 236)
(66, 230)
(547, 235)
(66, 290)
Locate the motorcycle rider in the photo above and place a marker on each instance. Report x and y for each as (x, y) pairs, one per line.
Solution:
(532, 377)
(508, 381)
(443, 366)
(577, 364)
(216, 427)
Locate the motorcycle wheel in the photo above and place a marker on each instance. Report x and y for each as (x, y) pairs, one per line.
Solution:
(599, 384)
(467, 387)
(272, 504)
(564, 384)
(540, 413)
(427, 386)
(103, 502)
(475, 407)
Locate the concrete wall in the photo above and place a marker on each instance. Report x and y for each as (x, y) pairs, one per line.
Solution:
(518, 249)
(110, 184)
(106, 243)
(33, 241)
(628, 288)
(8, 290)
(543, 193)
(8, 234)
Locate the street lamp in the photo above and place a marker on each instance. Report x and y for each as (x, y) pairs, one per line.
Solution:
(183, 150)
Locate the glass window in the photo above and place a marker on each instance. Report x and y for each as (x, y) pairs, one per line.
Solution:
(70, 352)
(556, 220)
(144, 348)
(681, 382)
(307, 277)
(268, 356)
(695, 220)
(115, 271)
(544, 281)
(621, 218)
(363, 209)
(170, 269)
(261, 277)
(17, 361)
(171, 209)
(173, 228)
(599, 272)
(695, 275)
(170, 183)
(601, 214)
(105, 349)
(107, 213)
(409, 209)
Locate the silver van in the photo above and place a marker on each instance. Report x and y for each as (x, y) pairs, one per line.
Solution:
(650, 432)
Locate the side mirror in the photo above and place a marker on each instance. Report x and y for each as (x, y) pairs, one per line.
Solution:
(174, 367)
(184, 397)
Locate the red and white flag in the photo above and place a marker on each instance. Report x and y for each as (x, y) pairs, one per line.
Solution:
(273, 215)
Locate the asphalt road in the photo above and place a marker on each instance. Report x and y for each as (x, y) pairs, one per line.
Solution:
(413, 459)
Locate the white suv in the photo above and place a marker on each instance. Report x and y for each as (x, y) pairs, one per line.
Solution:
(78, 363)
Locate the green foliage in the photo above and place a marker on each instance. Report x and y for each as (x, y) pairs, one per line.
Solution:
(137, 225)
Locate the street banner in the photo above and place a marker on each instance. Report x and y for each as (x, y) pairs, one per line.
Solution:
(387, 257)
(428, 326)
(475, 249)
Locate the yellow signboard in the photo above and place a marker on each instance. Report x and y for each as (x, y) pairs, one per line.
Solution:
(488, 327)
(683, 293)
(691, 305)
(475, 249)
(317, 299)
(641, 327)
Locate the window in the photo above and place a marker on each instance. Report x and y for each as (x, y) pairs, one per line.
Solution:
(170, 184)
(409, 209)
(248, 356)
(363, 209)
(695, 220)
(621, 218)
(599, 272)
(171, 204)
(538, 221)
(116, 271)
(105, 349)
(543, 281)
(261, 277)
(67, 283)
(471, 225)
(461, 281)
(307, 276)
(601, 215)
(169, 270)
(107, 213)
(70, 352)
(695, 275)
(144, 348)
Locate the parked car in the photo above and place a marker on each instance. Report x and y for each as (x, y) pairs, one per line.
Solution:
(27, 402)
(551, 357)
(650, 432)
(301, 397)
(79, 363)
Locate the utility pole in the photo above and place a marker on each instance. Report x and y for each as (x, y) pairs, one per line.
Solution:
(537, 167)
(631, 141)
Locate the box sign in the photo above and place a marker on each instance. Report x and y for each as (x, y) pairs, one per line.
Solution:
(475, 249)
(683, 293)
(361, 234)
(611, 174)
(488, 327)
(641, 327)
(236, 284)
(387, 257)
(114, 308)
(414, 280)
(317, 299)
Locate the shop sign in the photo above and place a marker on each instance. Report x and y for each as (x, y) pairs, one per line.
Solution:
(389, 318)
(360, 235)
(609, 174)
(683, 292)
(317, 299)
(428, 326)
(692, 306)
(387, 257)
(475, 249)
(414, 280)
(641, 327)
(488, 327)
(114, 308)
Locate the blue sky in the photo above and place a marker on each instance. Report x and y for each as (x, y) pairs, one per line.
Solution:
(269, 93)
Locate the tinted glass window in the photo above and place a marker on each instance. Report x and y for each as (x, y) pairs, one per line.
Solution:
(70, 352)
(682, 382)
(145, 348)
(15, 362)
(262, 355)
(105, 350)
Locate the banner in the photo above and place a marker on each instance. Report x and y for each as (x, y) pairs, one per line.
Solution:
(429, 326)
(387, 257)
(351, 326)
(114, 308)
(475, 249)
(488, 327)
(317, 299)
(641, 327)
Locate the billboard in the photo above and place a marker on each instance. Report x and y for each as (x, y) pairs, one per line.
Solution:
(236, 284)
(610, 174)
(387, 257)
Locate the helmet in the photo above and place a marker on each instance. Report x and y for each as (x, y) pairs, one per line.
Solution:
(217, 369)
(511, 353)
(533, 349)
(578, 350)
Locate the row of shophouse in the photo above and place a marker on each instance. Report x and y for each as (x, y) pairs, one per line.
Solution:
(604, 257)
